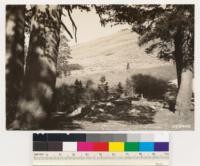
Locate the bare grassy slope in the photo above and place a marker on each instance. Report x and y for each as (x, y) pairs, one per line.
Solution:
(109, 56)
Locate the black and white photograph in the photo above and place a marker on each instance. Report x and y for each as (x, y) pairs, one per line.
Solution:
(96, 67)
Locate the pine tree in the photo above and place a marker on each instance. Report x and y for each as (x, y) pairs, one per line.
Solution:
(106, 90)
(103, 88)
(103, 79)
(78, 90)
(120, 88)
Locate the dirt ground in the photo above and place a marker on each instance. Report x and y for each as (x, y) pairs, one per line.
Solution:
(146, 115)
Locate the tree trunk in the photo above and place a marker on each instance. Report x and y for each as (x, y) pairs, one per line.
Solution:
(178, 55)
(183, 100)
(15, 21)
(35, 105)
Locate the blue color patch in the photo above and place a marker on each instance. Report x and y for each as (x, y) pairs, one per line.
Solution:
(146, 146)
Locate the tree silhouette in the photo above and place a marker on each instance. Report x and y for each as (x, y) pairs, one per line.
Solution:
(103, 88)
(64, 55)
(32, 102)
(15, 23)
(34, 105)
(78, 90)
(120, 89)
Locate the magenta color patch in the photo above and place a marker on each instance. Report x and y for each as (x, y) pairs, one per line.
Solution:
(85, 146)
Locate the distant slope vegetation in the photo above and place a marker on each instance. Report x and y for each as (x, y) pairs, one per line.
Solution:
(109, 56)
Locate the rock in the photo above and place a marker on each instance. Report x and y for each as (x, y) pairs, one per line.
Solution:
(152, 107)
(173, 82)
(122, 102)
(101, 110)
(110, 104)
(134, 111)
(76, 112)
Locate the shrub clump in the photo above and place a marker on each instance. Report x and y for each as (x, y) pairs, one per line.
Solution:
(75, 67)
(150, 87)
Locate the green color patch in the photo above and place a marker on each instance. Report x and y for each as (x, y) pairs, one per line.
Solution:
(131, 146)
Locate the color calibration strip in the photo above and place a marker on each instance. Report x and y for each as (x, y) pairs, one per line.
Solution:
(78, 149)
(100, 143)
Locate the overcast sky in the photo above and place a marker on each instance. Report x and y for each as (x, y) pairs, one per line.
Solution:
(89, 27)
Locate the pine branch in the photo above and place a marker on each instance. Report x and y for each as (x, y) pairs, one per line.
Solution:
(73, 23)
(66, 30)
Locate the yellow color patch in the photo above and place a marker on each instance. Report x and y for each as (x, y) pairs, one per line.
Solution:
(116, 146)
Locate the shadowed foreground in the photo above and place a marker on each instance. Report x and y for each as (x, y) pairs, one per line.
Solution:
(124, 113)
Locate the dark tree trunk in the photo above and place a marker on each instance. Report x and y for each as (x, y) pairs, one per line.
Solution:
(15, 21)
(183, 100)
(178, 55)
(35, 105)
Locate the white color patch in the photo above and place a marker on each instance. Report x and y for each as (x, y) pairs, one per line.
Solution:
(69, 146)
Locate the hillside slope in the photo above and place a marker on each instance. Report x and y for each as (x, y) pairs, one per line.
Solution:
(109, 56)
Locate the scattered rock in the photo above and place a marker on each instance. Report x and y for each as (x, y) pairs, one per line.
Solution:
(134, 111)
(110, 104)
(101, 110)
(76, 112)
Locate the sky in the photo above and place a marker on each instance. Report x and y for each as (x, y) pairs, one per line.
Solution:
(89, 26)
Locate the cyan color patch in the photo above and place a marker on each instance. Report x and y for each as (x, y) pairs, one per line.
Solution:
(146, 146)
